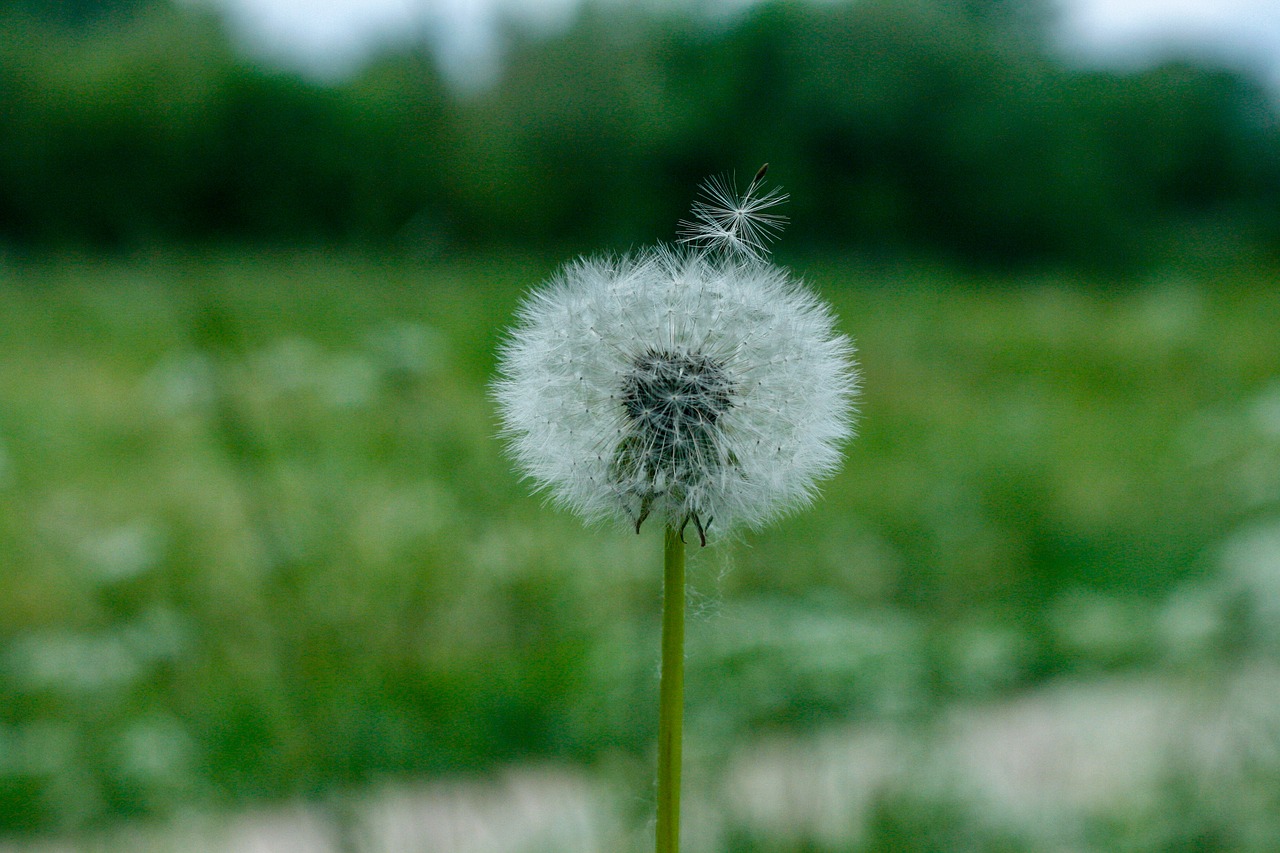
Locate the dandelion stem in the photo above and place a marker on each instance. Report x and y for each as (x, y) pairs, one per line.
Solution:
(671, 693)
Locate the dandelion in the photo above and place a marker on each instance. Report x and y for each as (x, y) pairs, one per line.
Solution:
(696, 385)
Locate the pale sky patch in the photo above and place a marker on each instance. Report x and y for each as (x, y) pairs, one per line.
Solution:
(1242, 33)
(331, 37)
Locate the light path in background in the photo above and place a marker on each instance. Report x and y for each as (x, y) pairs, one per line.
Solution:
(330, 37)
(1044, 764)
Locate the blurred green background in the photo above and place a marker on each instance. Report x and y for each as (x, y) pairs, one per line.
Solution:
(267, 578)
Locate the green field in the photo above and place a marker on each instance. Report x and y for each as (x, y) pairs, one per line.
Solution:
(258, 540)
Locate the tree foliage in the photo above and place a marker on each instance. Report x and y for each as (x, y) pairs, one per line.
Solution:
(899, 126)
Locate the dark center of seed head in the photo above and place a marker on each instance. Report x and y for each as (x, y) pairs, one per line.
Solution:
(673, 396)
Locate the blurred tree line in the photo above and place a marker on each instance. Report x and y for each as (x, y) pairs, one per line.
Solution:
(898, 126)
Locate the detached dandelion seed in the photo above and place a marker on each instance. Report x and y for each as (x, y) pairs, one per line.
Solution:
(696, 385)
(726, 221)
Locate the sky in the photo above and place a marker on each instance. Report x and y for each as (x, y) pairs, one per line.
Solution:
(329, 37)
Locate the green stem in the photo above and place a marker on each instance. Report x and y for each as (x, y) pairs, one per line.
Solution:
(671, 694)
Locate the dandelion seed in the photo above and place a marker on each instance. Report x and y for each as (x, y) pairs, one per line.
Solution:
(724, 220)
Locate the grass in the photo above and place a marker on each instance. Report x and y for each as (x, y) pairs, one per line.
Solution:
(259, 539)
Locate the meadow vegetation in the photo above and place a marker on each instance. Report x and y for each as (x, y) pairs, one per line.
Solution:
(260, 540)
(259, 543)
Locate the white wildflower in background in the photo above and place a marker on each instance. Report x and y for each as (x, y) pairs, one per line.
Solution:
(698, 385)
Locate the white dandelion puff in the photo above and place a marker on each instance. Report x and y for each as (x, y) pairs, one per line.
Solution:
(725, 220)
(697, 385)
(684, 385)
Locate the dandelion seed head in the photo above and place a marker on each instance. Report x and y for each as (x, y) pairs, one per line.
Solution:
(678, 385)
